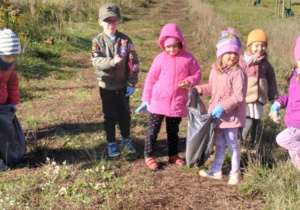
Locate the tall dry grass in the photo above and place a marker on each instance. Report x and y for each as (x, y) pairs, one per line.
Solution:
(208, 30)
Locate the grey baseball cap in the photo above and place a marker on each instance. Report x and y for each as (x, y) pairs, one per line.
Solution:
(109, 10)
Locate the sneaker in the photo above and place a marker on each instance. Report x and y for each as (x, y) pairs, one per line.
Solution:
(112, 149)
(234, 178)
(151, 163)
(176, 160)
(211, 174)
(126, 143)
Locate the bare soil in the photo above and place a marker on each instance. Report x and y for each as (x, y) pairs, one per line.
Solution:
(170, 187)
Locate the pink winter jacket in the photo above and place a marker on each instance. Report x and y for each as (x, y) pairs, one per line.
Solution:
(229, 90)
(161, 89)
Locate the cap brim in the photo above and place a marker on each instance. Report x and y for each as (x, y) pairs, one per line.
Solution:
(103, 17)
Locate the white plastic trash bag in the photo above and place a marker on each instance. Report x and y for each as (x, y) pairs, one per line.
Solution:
(200, 133)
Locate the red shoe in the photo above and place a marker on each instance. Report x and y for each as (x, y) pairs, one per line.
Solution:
(151, 163)
(176, 160)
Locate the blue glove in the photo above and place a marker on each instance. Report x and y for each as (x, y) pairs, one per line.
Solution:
(218, 111)
(144, 106)
(129, 91)
(13, 105)
(275, 107)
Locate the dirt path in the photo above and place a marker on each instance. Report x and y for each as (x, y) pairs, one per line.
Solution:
(169, 188)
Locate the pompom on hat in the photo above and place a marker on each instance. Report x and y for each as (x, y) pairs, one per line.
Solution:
(228, 42)
(257, 36)
(109, 10)
(171, 41)
(297, 49)
(9, 43)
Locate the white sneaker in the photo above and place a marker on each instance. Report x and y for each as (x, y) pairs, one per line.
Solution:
(211, 174)
(234, 178)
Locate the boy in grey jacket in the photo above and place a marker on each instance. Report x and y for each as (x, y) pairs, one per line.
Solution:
(116, 64)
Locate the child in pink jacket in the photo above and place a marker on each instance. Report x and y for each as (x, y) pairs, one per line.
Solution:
(289, 138)
(165, 92)
(227, 86)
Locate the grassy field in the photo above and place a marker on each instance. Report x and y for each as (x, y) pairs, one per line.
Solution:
(66, 165)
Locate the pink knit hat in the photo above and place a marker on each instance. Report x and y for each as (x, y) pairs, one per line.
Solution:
(170, 41)
(228, 42)
(297, 49)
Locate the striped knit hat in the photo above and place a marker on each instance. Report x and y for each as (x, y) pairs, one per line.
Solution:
(228, 42)
(9, 43)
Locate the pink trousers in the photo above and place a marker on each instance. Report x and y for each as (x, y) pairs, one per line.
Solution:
(289, 139)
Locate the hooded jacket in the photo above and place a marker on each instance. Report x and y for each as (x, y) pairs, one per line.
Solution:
(291, 101)
(161, 89)
(9, 86)
(228, 88)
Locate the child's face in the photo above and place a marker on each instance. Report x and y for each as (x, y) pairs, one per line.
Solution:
(258, 48)
(173, 49)
(8, 58)
(110, 25)
(229, 59)
(298, 64)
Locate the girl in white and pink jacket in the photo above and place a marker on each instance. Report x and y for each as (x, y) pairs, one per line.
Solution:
(166, 92)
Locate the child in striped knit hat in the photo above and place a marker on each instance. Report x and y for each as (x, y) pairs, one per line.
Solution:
(10, 48)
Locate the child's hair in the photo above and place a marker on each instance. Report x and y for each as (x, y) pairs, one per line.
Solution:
(9, 43)
(297, 58)
(220, 64)
(289, 76)
(297, 49)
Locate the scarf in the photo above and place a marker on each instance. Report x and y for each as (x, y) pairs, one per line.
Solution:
(4, 66)
(252, 59)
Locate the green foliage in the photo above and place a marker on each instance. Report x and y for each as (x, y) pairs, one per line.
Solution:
(9, 16)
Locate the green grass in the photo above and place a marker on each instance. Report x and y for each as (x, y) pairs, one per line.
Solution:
(90, 179)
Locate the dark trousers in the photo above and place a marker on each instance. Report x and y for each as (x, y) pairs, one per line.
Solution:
(115, 108)
(252, 125)
(154, 125)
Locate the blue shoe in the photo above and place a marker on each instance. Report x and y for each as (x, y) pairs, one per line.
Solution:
(112, 149)
(126, 143)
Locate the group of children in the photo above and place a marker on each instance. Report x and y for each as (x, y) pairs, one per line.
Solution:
(240, 84)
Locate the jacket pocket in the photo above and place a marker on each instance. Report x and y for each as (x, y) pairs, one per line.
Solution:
(229, 117)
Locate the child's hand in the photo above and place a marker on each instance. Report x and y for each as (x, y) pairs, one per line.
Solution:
(117, 59)
(217, 112)
(199, 89)
(143, 107)
(275, 107)
(274, 116)
(184, 84)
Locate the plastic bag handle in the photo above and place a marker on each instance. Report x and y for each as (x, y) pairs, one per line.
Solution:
(199, 104)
